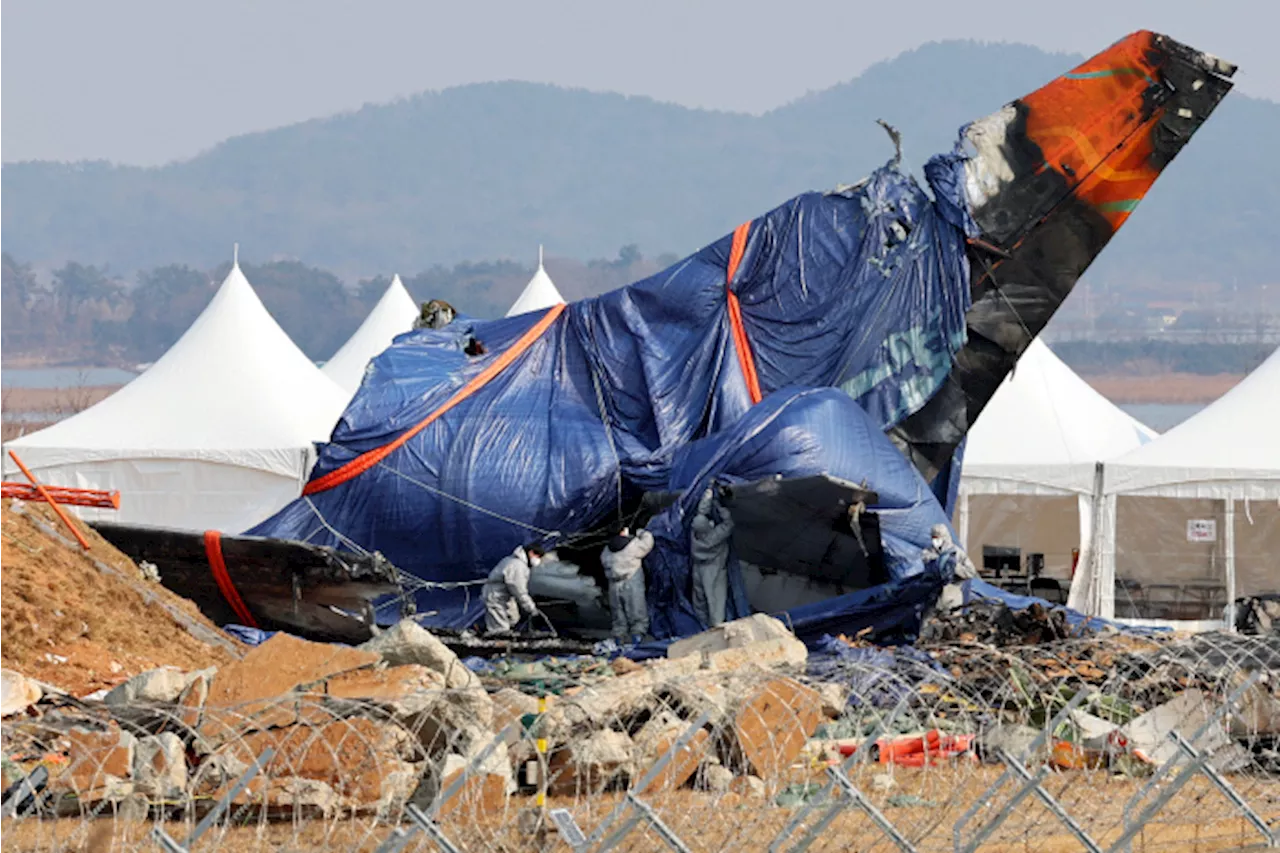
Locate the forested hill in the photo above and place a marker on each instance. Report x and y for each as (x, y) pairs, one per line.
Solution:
(492, 170)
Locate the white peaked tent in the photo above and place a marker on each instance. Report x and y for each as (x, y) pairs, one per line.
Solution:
(217, 434)
(1031, 462)
(1191, 521)
(539, 294)
(393, 315)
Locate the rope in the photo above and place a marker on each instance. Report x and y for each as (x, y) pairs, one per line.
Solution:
(354, 545)
(469, 505)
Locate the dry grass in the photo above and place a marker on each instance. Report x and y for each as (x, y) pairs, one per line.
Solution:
(1163, 388)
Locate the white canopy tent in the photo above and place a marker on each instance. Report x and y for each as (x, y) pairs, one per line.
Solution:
(217, 434)
(1191, 521)
(393, 315)
(1030, 465)
(539, 294)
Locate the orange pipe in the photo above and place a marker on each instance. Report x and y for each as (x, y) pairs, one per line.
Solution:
(64, 495)
(44, 493)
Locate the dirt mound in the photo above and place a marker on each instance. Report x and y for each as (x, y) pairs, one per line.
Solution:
(69, 623)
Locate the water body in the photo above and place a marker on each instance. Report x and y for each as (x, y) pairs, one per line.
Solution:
(64, 377)
(1161, 417)
(70, 377)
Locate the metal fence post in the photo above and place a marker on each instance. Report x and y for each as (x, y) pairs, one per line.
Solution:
(640, 809)
(858, 757)
(164, 840)
(425, 821)
(1031, 784)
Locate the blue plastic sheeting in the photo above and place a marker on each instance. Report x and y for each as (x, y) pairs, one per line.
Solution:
(977, 589)
(795, 432)
(876, 677)
(249, 636)
(864, 289)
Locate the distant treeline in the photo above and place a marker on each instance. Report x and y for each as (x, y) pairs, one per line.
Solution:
(84, 315)
(1150, 357)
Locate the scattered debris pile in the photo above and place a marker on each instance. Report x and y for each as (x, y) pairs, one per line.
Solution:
(994, 623)
(83, 621)
(367, 730)
(360, 730)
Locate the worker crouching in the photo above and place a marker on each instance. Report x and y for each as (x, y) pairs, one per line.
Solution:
(506, 592)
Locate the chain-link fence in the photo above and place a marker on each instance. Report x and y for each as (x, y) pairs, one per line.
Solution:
(1113, 743)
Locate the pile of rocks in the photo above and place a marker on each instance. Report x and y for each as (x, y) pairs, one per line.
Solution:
(365, 730)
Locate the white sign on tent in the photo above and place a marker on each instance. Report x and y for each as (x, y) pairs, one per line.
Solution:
(1202, 530)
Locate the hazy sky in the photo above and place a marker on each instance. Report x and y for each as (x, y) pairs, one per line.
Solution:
(146, 81)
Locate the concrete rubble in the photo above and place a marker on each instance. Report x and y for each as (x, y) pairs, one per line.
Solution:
(17, 693)
(400, 719)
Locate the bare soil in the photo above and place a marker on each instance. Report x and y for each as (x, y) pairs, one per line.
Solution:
(58, 605)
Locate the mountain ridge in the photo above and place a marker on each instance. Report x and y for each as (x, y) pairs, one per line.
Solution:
(489, 170)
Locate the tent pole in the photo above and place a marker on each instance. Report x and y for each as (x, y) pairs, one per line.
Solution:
(1229, 536)
(962, 518)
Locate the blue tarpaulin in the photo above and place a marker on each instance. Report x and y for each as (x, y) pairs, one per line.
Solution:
(645, 388)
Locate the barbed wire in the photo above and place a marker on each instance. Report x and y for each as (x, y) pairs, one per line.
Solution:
(868, 748)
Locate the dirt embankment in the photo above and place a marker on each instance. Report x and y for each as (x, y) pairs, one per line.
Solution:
(70, 624)
(1163, 388)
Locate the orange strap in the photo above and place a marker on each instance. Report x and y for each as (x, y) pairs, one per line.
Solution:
(213, 551)
(368, 459)
(740, 342)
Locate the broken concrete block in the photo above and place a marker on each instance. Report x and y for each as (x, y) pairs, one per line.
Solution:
(160, 767)
(692, 696)
(717, 778)
(748, 787)
(590, 764)
(155, 685)
(245, 695)
(99, 763)
(771, 726)
(1092, 732)
(835, 698)
(609, 703)
(369, 764)
(408, 642)
(17, 693)
(482, 793)
(192, 698)
(510, 706)
(655, 739)
(730, 635)
(292, 795)
(1257, 714)
(764, 654)
(1147, 736)
(403, 690)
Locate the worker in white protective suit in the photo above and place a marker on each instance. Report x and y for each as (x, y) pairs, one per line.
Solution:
(709, 551)
(948, 554)
(506, 592)
(623, 562)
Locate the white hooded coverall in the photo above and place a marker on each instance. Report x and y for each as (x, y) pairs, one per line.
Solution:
(623, 563)
(506, 593)
(709, 553)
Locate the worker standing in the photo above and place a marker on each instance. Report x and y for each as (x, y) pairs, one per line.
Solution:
(506, 592)
(948, 554)
(623, 562)
(709, 550)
